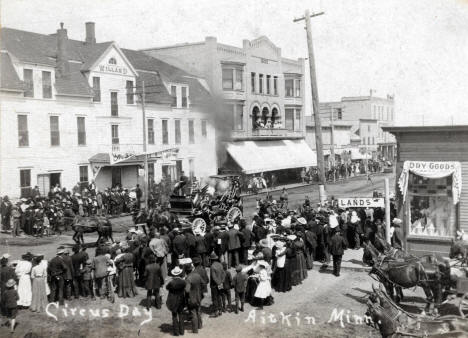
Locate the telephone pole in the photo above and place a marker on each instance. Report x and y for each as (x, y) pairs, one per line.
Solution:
(315, 104)
(145, 184)
(332, 142)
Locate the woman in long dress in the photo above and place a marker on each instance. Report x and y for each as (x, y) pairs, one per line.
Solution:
(301, 261)
(23, 272)
(126, 279)
(279, 275)
(264, 285)
(39, 286)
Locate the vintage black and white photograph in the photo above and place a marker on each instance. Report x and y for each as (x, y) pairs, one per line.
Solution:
(222, 168)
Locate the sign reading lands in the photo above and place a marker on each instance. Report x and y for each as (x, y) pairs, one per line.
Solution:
(361, 202)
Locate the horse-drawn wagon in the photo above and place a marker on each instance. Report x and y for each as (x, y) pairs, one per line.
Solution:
(217, 202)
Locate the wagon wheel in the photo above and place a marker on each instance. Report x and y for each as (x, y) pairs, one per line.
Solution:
(233, 213)
(463, 306)
(199, 226)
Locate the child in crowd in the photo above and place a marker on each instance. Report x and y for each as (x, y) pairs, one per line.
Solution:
(87, 273)
(46, 225)
(10, 298)
(240, 285)
(226, 291)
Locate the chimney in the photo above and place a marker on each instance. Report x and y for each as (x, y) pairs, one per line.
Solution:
(62, 50)
(90, 33)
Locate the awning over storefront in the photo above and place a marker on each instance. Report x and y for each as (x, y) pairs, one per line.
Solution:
(260, 156)
(432, 170)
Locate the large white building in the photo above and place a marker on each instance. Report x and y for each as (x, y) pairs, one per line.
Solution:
(70, 111)
(257, 87)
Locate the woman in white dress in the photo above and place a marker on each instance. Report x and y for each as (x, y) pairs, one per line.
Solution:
(39, 285)
(23, 272)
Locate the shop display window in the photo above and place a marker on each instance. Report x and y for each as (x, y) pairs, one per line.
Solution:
(430, 207)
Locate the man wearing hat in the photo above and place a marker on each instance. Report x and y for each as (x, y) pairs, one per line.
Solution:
(56, 270)
(176, 300)
(193, 290)
(5, 211)
(217, 275)
(337, 247)
(78, 259)
(397, 236)
(153, 282)
(233, 245)
(200, 269)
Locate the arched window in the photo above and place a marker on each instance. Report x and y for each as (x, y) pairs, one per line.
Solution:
(112, 61)
(275, 118)
(256, 118)
(265, 115)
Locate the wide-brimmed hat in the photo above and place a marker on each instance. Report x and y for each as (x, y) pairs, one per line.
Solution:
(279, 244)
(6, 256)
(27, 256)
(176, 271)
(302, 220)
(60, 251)
(213, 256)
(397, 221)
(10, 283)
(264, 243)
(291, 237)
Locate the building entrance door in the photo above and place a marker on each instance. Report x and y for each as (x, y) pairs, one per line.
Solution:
(43, 182)
(116, 176)
(55, 179)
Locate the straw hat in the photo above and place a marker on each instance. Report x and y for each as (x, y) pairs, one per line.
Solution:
(291, 237)
(176, 271)
(10, 283)
(302, 220)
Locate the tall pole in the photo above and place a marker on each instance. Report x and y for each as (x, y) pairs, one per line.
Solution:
(332, 142)
(145, 183)
(387, 210)
(315, 104)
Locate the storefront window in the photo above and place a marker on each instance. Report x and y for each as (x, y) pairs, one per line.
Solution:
(430, 207)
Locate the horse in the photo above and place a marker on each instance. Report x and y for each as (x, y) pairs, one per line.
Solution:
(100, 224)
(385, 248)
(395, 322)
(428, 273)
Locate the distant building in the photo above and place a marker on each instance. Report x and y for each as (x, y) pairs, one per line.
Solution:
(69, 113)
(263, 97)
(368, 115)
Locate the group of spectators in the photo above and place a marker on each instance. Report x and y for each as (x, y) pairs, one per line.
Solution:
(248, 260)
(40, 215)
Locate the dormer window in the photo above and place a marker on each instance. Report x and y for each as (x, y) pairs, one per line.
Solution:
(112, 61)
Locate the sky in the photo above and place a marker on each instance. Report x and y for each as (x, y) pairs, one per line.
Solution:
(415, 50)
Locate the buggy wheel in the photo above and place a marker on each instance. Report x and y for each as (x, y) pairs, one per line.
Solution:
(463, 305)
(233, 213)
(199, 226)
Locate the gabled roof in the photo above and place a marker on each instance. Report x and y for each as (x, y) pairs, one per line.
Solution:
(9, 79)
(73, 83)
(34, 48)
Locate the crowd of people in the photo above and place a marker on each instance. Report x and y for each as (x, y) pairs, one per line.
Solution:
(40, 215)
(247, 260)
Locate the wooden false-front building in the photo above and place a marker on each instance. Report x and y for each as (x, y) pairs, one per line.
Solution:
(431, 171)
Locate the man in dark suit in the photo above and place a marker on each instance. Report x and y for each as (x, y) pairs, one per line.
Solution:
(68, 276)
(78, 259)
(337, 247)
(217, 275)
(5, 211)
(176, 300)
(233, 245)
(200, 269)
(246, 241)
(154, 281)
(56, 270)
(193, 290)
(179, 246)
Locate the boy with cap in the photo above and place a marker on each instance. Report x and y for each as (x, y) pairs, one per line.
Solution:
(239, 283)
(226, 290)
(10, 298)
(87, 275)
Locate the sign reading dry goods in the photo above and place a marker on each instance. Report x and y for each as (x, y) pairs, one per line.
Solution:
(360, 202)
